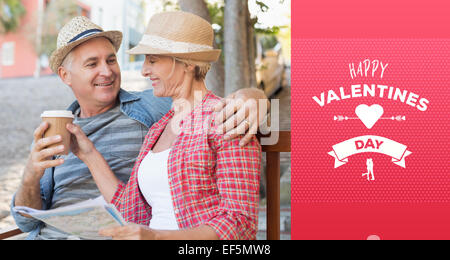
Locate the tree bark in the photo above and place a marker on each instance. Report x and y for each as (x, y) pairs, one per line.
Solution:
(251, 41)
(197, 7)
(236, 46)
(216, 76)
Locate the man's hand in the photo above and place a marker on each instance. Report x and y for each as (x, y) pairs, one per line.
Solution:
(41, 157)
(239, 113)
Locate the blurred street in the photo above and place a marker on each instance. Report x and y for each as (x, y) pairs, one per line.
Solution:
(22, 101)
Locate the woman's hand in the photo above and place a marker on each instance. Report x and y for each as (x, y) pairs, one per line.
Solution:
(130, 232)
(81, 146)
(138, 232)
(84, 149)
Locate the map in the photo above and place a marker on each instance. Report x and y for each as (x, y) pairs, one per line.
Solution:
(82, 220)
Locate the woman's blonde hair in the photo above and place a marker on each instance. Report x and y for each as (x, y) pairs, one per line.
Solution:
(201, 68)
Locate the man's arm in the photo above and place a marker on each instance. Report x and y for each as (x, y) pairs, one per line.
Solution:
(242, 112)
(24, 222)
(28, 193)
(151, 107)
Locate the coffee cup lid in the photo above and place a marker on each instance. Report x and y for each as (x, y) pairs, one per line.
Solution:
(57, 113)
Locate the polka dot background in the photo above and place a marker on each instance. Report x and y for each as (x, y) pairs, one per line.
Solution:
(419, 66)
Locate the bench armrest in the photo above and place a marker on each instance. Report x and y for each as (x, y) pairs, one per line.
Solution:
(9, 232)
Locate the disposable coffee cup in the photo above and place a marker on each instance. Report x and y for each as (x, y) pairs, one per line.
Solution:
(57, 121)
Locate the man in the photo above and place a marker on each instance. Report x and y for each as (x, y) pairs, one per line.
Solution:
(116, 122)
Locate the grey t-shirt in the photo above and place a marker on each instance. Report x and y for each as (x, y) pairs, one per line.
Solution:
(118, 138)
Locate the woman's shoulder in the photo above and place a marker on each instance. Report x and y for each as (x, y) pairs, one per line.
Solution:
(210, 101)
(206, 108)
(203, 116)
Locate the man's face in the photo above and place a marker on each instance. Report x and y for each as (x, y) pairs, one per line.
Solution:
(94, 73)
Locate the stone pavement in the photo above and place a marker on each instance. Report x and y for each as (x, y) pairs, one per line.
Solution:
(21, 102)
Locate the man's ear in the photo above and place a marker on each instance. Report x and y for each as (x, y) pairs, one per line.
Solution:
(65, 76)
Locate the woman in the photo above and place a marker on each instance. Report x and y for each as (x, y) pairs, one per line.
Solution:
(189, 181)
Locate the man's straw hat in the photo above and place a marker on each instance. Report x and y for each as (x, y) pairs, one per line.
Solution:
(80, 29)
(178, 34)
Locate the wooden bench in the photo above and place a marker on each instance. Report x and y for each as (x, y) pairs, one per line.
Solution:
(272, 186)
(273, 182)
(9, 232)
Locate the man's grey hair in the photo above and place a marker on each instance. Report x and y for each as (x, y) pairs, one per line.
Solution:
(67, 62)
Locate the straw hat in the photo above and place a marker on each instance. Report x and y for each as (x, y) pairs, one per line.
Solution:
(178, 34)
(74, 33)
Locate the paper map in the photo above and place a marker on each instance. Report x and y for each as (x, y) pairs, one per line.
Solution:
(82, 220)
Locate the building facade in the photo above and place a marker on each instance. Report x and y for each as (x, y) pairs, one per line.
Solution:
(17, 55)
(127, 16)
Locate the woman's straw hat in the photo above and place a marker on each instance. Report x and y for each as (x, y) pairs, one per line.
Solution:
(178, 34)
(74, 33)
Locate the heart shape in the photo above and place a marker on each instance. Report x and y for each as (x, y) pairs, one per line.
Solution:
(369, 115)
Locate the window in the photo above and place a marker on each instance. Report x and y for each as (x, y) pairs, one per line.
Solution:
(7, 54)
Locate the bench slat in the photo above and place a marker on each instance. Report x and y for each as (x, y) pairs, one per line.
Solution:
(9, 232)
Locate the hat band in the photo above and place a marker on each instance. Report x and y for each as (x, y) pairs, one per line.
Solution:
(172, 46)
(85, 34)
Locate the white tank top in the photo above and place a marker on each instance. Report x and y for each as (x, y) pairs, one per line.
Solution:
(153, 182)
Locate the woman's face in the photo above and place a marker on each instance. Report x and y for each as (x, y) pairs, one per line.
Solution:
(165, 73)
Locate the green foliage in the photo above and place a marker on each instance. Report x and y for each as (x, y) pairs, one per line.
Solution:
(268, 41)
(10, 13)
(263, 6)
(170, 5)
(267, 31)
(268, 35)
(217, 11)
(56, 15)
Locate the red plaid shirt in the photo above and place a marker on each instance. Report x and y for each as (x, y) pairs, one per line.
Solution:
(212, 181)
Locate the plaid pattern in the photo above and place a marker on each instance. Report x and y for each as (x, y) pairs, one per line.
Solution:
(212, 181)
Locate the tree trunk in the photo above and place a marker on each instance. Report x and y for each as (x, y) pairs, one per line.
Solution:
(216, 76)
(197, 7)
(251, 41)
(236, 46)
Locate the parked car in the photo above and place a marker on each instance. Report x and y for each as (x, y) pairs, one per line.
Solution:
(270, 69)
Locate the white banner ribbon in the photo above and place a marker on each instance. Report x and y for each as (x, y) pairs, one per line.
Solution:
(369, 144)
